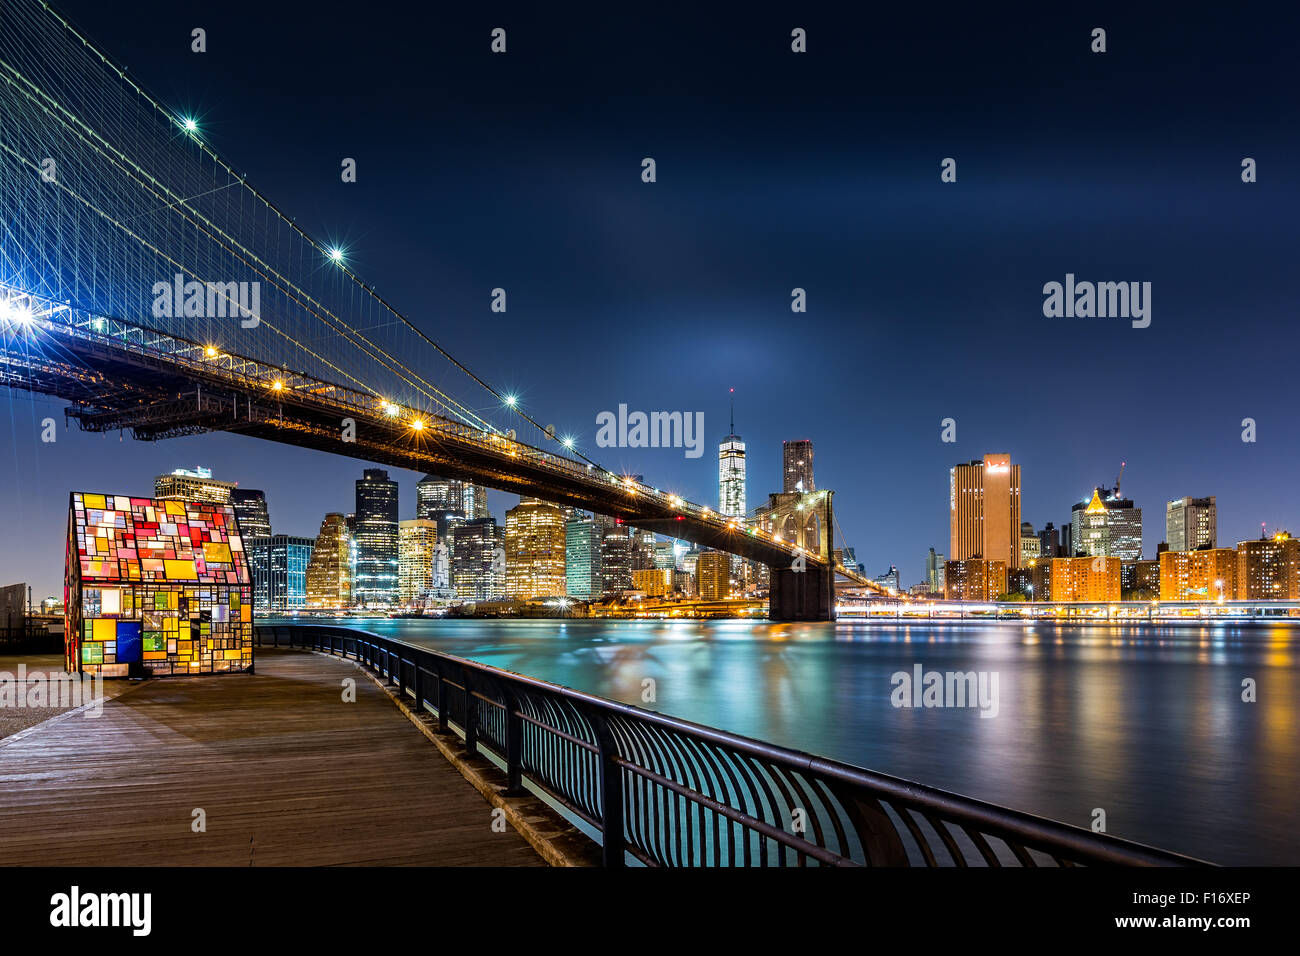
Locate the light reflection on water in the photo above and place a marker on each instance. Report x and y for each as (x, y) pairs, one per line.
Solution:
(1147, 724)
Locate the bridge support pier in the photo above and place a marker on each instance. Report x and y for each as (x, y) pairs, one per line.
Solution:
(801, 595)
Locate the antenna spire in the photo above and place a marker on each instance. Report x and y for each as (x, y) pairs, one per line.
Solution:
(733, 411)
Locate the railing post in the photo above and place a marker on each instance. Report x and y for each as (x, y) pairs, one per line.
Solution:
(514, 746)
(442, 702)
(417, 685)
(611, 795)
(471, 716)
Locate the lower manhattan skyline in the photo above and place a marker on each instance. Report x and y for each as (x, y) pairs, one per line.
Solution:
(751, 436)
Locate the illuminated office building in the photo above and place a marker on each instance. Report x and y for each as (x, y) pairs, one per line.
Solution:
(478, 562)
(1107, 526)
(376, 540)
(535, 547)
(615, 558)
(713, 575)
(731, 477)
(279, 564)
(1191, 523)
(329, 572)
(417, 541)
(984, 511)
(797, 459)
(1030, 545)
(197, 485)
(582, 546)
(250, 509)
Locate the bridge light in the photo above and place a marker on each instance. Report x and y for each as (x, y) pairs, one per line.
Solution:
(336, 254)
(210, 352)
(566, 442)
(190, 125)
(390, 409)
(510, 400)
(418, 424)
(277, 385)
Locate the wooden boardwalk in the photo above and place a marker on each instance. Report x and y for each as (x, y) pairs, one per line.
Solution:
(286, 772)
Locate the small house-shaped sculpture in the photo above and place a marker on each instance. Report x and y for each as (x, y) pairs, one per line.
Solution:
(155, 587)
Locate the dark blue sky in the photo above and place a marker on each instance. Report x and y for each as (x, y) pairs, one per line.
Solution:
(775, 170)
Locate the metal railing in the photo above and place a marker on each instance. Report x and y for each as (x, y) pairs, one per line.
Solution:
(669, 792)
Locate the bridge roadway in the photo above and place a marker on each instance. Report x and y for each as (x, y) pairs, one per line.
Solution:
(286, 772)
(123, 376)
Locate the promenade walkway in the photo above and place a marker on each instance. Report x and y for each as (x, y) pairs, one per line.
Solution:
(283, 770)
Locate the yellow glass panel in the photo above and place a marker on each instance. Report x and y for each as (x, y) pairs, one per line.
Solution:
(232, 655)
(175, 508)
(245, 613)
(103, 629)
(216, 551)
(94, 501)
(180, 570)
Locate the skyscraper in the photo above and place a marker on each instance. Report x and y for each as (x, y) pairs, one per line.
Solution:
(478, 564)
(376, 539)
(329, 578)
(1049, 542)
(535, 550)
(798, 460)
(934, 571)
(1191, 523)
(279, 564)
(1107, 526)
(731, 473)
(1030, 545)
(196, 485)
(251, 510)
(984, 510)
(582, 541)
(713, 574)
(416, 541)
(615, 558)
(438, 499)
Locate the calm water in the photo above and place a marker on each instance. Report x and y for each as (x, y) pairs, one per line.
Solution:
(1147, 724)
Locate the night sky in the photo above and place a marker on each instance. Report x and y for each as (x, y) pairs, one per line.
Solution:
(775, 170)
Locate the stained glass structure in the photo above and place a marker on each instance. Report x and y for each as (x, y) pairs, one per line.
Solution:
(160, 584)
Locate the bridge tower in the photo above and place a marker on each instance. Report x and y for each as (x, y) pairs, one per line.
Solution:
(802, 591)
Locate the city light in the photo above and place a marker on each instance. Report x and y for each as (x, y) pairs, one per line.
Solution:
(510, 401)
(418, 424)
(277, 385)
(210, 352)
(567, 442)
(336, 254)
(390, 409)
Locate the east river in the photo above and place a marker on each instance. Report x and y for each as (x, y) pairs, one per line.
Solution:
(1146, 724)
